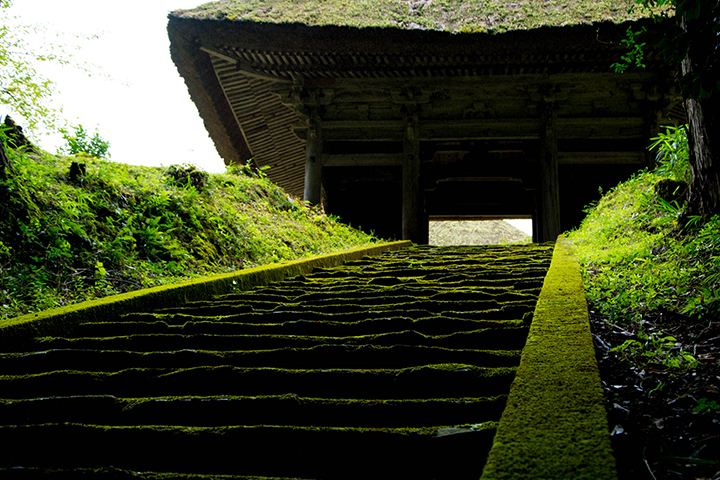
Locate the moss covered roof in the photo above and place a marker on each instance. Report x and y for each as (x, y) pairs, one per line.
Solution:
(443, 15)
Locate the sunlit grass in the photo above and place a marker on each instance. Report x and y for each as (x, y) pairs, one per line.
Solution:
(121, 227)
(639, 258)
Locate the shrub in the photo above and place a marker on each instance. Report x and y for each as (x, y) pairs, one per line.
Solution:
(94, 146)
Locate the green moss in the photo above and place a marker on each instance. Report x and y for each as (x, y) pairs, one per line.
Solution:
(59, 321)
(446, 15)
(129, 403)
(482, 372)
(554, 425)
(239, 429)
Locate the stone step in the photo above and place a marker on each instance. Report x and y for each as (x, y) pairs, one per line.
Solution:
(317, 357)
(330, 327)
(295, 288)
(225, 410)
(506, 312)
(408, 303)
(255, 450)
(427, 381)
(511, 338)
(368, 299)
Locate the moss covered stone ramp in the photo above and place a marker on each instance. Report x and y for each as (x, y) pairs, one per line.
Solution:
(393, 366)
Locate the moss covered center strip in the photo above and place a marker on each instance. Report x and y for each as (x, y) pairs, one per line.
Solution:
(554, 425)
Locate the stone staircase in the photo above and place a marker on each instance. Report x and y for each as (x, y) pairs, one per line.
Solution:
(396, 366)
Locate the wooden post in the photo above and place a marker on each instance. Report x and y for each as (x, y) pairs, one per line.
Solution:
(412, 201)
(313, 161)
(549, 195)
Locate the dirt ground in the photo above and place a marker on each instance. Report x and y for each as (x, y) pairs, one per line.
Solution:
(658, 426)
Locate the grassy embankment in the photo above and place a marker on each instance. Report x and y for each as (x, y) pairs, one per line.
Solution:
(644, 263)
(641, 258)
(118, 228)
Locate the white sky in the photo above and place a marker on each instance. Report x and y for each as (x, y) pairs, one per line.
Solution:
(144, 111)
(522, 224)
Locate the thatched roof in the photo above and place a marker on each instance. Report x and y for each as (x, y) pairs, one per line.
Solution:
(442, 15)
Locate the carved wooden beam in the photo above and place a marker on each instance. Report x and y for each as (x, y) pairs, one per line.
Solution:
(363, 160)
(487, 129)
(246, 69)
(601, 158)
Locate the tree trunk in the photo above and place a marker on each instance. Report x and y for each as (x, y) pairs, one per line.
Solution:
(704, 198)
(703, 143)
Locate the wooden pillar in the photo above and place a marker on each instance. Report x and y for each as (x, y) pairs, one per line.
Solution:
(412, 199)
(549, 194)
(313, 161)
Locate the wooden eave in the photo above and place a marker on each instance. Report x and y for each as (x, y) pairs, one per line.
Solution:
(232, 69)
(558, 45)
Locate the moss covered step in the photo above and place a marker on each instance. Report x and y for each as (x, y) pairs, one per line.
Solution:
(430, 306)
(420, 274)
(426, 290)
(367, 298)
(436, 278)
(339, 303)
(321, 356)
(438, 325)
(426, 261)
(276, 451)
(506, 312)
(194, 411)
(462, 250)
(428, 381)
(397, 366)
(439, 280)
(302, 297)
(509, 338)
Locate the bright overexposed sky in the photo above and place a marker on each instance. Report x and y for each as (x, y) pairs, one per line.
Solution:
(143, 109)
